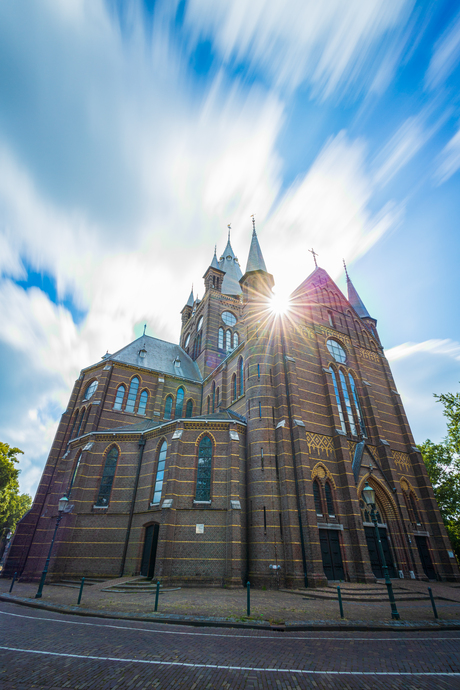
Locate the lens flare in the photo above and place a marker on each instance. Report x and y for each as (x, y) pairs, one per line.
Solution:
(279, 304)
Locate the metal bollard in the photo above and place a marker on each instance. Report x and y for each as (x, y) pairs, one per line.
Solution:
(81, 590)
(339, 594)
(248, 585)
(432, 602)
(12, 583)
(157, 594)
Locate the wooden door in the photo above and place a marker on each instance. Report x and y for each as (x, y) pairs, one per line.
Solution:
(425, 557)
(150, 551)
(374, 555)
(331, 554)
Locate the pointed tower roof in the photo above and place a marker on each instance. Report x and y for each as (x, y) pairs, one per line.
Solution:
(191, 299)
(255, 259)
(229, 264)
(355, 300)
(214, 262)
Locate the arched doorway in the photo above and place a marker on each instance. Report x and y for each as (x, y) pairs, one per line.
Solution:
(150, 550)
(371, 537)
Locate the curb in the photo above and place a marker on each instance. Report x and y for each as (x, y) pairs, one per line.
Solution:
(423, 626)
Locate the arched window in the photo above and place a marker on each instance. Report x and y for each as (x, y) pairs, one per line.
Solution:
(108, 474)
(228, 340)
(217, 397)
(132, 395)
(91, 389)
(213, 396)
(234, 396)
(337, 400)
(168, 407)
(143, 402)
(317, 498)
(119, 398)
(357, 405)
(220, 343)
(235, 340)
(85, 421)
(414, 508)
(189, 408)
(160, 473)
(209, 404)
(329, 501)
(241, 368)
(203, 475)
(80, 423)
(346, 397)
(179, 403)
(200, 324)
(74, 424)
(74, 474)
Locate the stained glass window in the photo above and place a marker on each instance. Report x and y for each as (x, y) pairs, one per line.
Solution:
(337, 399)
(228, 340)
(347, 403)
(107, 477)
(168, 407)
(337, 351)
(220, 343)
(189, 408)
(357, 405)
(317, 498)
(119, 398)
(203, 477)
(90, 390)
(160, 473)
(228, 318)
(329, 501)
(179, 403)
(241, 367)
(235, 340)
(132, 395)
(143, 402)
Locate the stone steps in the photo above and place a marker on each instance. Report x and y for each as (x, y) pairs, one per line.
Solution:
(137, 586)
(75, 583)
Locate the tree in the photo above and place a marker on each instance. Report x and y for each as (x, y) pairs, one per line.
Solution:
(12, 504)
(442, 462)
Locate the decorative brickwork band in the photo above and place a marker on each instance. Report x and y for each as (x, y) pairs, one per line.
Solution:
(402, 461)
(320, 444)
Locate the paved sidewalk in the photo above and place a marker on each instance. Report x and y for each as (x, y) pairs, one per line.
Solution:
(227, 607)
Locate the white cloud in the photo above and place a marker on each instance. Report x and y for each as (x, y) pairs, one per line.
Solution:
(446, 56)
(448, 159)
(401, 148)
(446, 347)
(332, 44)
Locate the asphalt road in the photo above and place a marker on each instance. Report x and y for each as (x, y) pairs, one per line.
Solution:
(39, 649)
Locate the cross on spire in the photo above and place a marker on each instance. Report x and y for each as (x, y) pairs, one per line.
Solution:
(253, 222)
(345, 267)
(229, 226)
(312, 251)
(145, 326)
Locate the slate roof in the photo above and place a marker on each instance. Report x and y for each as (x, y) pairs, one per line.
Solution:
(159, 356)
(356, 301)
(255, 259)
(229, 264)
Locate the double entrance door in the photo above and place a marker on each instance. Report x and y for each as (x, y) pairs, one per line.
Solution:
(150, 551)
(331, 554)
(374, 555)
(423, 552)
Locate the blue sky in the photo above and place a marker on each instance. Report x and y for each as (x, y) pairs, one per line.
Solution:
(132, 133)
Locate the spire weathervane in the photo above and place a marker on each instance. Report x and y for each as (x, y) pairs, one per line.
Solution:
(145, 326)
(345, 267)
(229, 226)
(253, 223)
(312, 251)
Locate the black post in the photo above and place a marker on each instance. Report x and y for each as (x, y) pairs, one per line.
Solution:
(45, 569)
(81, 590)
(157, 594)
(339, 594)
(14, 580)
(248, 586)
(432, 602)
(394, 610)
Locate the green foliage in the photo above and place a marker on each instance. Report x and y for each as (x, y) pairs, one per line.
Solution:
(12, 504)
(442, 462)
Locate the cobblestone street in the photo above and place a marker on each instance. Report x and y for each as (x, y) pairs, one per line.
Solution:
(41, 649)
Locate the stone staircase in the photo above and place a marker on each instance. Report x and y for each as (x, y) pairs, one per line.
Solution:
(137, 585)
(75, 583)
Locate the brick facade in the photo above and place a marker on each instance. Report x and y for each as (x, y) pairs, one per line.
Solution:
(295, 428)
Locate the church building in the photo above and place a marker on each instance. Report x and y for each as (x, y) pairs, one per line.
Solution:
(240, 453)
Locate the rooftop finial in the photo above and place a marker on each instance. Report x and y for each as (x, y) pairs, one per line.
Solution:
(229, 226)
(145, 326)
(345, 267)
(312, 251)
(253, 224)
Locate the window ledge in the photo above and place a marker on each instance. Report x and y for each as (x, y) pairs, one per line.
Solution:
(202, 503)
(100, 507)
(155, 505)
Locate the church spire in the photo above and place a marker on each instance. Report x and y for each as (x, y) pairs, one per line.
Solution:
(255, 259)
(214, 262)
(191, 299)
(354, 299)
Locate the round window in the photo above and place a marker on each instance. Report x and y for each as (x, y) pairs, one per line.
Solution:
(200, 323)
(228, 318)
(337, 351)
(187, 340)
(90, 390)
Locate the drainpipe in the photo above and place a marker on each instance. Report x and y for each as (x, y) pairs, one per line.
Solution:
(296, 480)
(133, 502)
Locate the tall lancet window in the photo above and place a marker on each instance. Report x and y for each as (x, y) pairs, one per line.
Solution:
(119, 398)
(358, 406)
(338, 401)
(220, 343)
(349, 409)
(160, 473)
(108, 475)
(179, 403)
(132, 395)
(203, 475)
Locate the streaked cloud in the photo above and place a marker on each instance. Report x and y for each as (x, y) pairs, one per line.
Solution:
(448, 160)
(446, 347)
(446, 56)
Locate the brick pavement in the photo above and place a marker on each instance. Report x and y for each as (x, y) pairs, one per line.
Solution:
(271, 606)
(60, 651)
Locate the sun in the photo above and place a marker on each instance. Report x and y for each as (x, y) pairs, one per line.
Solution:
(279, 304)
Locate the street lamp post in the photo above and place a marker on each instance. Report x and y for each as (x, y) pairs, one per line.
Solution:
(369, 498)
(61, 507)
